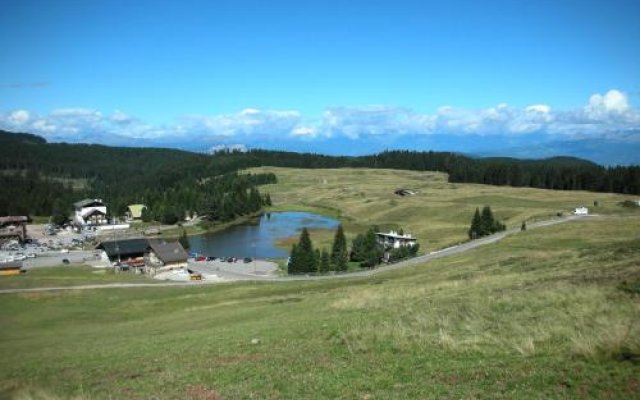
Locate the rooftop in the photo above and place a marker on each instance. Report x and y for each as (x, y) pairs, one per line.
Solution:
(396, 235)
(124, 247)
(168, 252)
(88, 202)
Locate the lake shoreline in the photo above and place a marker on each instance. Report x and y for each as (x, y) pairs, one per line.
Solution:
(260, 236)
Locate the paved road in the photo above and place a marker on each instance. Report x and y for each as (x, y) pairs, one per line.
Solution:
(237, 276)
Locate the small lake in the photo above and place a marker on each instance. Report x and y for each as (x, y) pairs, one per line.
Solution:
(258, 239)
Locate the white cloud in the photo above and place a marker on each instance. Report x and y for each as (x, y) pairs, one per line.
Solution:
(247, 122)
(538, 108)
(43, 126)
(18, 117)
(613, 101)
(603, 114)
(306, 131)
(354, 122)
(123, 118)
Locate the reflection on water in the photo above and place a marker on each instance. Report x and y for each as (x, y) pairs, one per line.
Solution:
(257, 238)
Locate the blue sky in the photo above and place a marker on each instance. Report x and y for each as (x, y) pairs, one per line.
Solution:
(310, 75)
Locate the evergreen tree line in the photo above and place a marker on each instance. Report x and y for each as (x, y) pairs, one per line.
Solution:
(219, 199)
(30, 194)
(124, 176)
(305, 259)
(365, 250)
(483, 224)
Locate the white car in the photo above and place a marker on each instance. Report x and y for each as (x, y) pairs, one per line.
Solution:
(31, 255)
(64, 251)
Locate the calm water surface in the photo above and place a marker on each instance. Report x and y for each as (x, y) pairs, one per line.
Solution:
(259, 238)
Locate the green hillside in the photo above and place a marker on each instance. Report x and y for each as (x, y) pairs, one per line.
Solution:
(45, 178)
(550, 313)
(547, 313)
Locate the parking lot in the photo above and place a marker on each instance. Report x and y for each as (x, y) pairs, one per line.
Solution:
(43, 249)
(235, 270)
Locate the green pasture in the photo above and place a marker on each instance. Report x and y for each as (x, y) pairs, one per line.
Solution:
(549, 313)
(439, 215)
(546, 313)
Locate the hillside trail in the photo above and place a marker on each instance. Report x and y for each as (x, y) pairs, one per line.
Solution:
(449, 251)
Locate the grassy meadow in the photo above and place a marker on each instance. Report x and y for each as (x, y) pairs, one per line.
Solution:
(69, 276)
(439, 214)
(550, 313)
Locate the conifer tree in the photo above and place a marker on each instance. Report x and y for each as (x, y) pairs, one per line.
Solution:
(339, 253)
(487, 223)
(325, 263)
(146, 214)
(372, 250)
(292, 266)
(476, 225)
(303, 258)
(357, 248)
(484, 224)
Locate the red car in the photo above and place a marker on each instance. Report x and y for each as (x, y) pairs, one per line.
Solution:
(201, 258)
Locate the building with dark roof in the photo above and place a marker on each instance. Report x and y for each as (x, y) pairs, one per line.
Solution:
(124, 249)
(145, 255)
(162, 255)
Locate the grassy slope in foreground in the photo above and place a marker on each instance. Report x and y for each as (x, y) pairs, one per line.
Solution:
(69, 276)
(439, 214)
(538, 315)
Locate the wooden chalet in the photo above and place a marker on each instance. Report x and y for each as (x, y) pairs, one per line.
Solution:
(126, 254)
(162, 255)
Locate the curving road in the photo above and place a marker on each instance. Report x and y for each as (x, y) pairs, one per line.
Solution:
(228, 276)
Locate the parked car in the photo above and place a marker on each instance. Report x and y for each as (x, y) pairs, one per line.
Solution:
(31, 255)
(65, 261)
(210, 258)
(232, 259)
(201, 258)
(64, 251)
(247, 260)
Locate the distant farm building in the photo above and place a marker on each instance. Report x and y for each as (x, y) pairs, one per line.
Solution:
(404, 192)
(581, 211)
(90, 212)
(134, 212)
(395, 240)
(13, 227)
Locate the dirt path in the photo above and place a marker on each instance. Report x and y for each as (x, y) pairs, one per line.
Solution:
(230, 277)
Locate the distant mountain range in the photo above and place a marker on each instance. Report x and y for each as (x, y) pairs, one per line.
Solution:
(623, 148)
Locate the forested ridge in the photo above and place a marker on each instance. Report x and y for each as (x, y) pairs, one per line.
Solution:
(39, 177)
